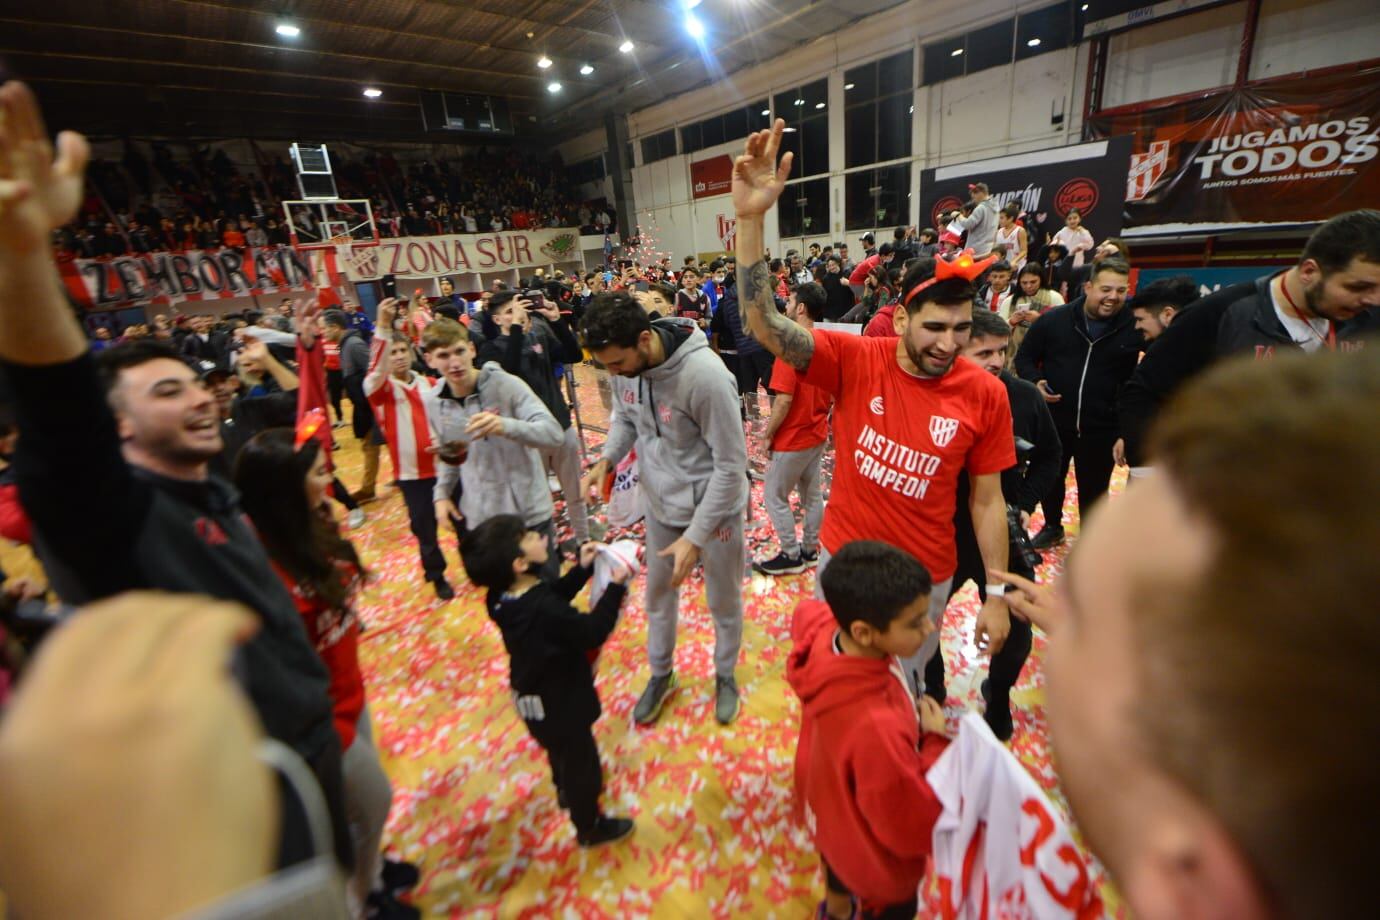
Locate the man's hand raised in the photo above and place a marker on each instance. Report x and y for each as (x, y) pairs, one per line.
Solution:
(757, 178)
(37, 192)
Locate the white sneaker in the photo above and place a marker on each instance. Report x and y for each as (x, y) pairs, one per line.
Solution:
(355, 519)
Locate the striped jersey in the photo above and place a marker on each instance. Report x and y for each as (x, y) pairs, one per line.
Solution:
(399, 409)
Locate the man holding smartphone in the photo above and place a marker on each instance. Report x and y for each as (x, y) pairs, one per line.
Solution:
(1079, 355)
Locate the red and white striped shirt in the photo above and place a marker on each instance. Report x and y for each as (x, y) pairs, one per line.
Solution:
(399, 409)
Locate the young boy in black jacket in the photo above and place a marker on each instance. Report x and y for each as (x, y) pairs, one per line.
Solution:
(547, 642)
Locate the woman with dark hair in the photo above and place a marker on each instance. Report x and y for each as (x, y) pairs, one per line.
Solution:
(283, 487)
(1032, 297)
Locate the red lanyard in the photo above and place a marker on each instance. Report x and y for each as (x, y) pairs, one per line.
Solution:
(1331, 340)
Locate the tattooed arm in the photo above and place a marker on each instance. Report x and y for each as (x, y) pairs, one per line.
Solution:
(757, 183)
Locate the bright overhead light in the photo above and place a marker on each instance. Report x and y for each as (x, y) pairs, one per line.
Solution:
(1033, 43)
(912, 110)
(586, 70)
(553, 87)
(1085, 7)
(788, 130)
(626, 46)
(847, 87)
(956, 52)
(287, 30)
(766, 111)
(799, 102)
(543, 62)
(693, 26)
(372, 93)
(819, 105)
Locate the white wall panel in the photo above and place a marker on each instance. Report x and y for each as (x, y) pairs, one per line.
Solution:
(1175, 56)
(1295, 35)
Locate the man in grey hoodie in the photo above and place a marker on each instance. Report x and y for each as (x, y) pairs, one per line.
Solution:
(981, 222)
(677, 402)
(491, 429)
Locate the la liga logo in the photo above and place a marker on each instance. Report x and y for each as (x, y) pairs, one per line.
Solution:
(1077, 193)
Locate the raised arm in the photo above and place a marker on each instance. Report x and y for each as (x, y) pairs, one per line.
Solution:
(37, 194)
(757, 182)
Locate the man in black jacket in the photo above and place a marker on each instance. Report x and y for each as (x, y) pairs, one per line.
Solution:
(531, 341)
(1038, 454)
(137, 433)
(1328, 300)
(1079, 355)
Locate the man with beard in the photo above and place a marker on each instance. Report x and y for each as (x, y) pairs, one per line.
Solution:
(1079, 355)
(136, 429)
(1193, 617)
(1327, 301)
(674, 399)
(909, 413)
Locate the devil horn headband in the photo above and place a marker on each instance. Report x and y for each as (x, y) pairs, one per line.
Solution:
(961, 266)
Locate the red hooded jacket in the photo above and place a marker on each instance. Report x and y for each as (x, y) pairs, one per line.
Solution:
(883, 322)
(860, 764)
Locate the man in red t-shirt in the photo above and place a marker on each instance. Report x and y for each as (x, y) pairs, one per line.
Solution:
(909, 416)
(795, 437)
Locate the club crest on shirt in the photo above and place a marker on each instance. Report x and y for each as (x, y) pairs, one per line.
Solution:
(875, 405)
(629, 397)
(942, 430)
(663, 412)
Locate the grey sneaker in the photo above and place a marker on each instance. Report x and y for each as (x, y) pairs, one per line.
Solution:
(725, 699)
(649, 704)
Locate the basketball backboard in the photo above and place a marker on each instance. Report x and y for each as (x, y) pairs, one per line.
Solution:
(331, 224)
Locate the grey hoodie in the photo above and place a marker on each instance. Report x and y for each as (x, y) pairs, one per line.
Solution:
(684, 416)
(502, 474)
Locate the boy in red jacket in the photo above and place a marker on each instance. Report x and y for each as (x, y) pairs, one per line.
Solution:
(864, 746)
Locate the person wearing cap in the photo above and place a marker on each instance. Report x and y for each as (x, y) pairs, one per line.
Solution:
(981, 221)
(869, 243)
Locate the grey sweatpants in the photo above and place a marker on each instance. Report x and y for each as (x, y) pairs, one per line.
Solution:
(722, 558)
(368, 796)
(788, 471)
(564, 461)
(914, 666)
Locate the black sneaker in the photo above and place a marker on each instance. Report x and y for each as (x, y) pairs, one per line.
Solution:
(399, 875)
(1048, 538)
(381, 905)
(780, 564)
(998, 718)
(443, 589)
(809, 556)
(605, 830)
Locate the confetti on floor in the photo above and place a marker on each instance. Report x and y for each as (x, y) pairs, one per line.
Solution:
(473, 801)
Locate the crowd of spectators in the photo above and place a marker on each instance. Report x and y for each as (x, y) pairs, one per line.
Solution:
(140, 204)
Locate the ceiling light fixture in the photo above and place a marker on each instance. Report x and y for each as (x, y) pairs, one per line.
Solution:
(372, 93)
(626, 46)
(586, 70)
(819, 105)
(847, 87)
(956, 52)
(788, 130)
(553, 87)
(766, 111)
(543, 62)
(1085, 7)
(287, 30)
(1033, 43)
(799, 102)
(693, 27)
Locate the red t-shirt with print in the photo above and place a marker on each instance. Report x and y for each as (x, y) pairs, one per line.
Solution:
(901, 442)
(807, 421)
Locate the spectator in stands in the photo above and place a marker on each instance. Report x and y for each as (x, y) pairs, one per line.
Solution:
(981, 220)
(1074, 237)
(840, 297)
(1027, 303)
